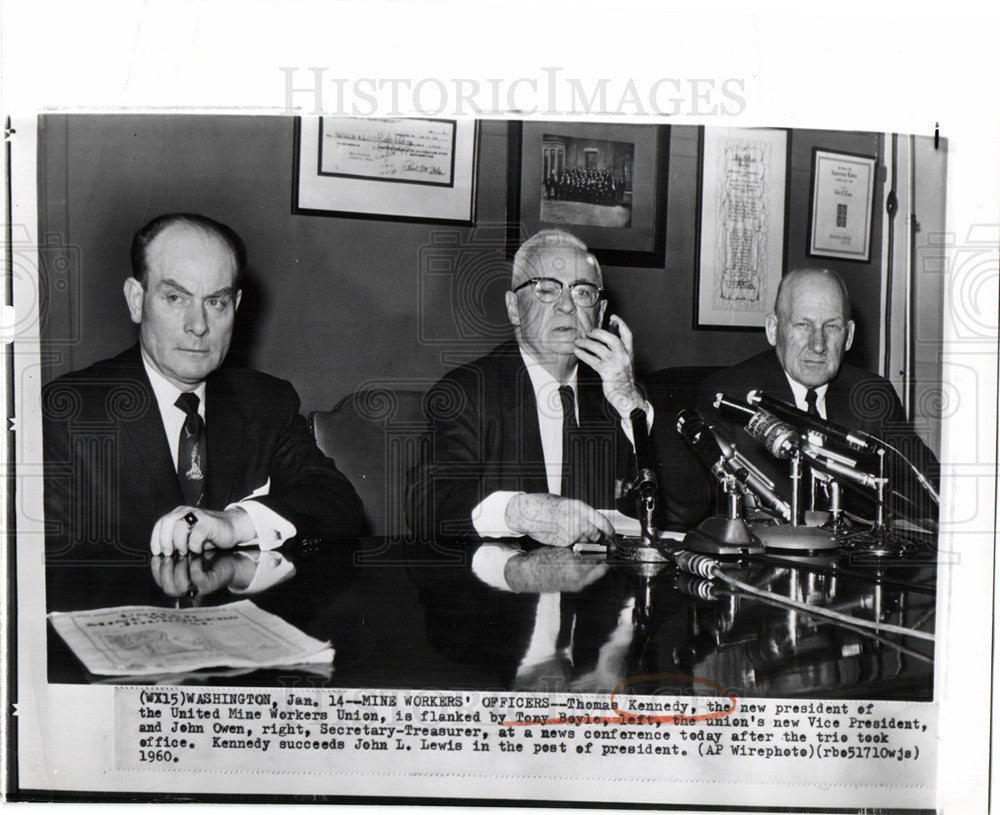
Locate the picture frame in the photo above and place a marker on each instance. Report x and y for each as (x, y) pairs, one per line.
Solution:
(605, 183)
(741, 216)
(405, 169)
(841, 204)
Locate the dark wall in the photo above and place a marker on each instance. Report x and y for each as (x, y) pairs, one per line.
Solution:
(864, 280)
(334, 302)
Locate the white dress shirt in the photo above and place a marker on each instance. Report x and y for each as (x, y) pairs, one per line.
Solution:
(489, 515)
(272, 530)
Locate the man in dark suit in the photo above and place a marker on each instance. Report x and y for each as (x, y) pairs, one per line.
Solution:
(525, 441)
(809, 330)
(164, 449)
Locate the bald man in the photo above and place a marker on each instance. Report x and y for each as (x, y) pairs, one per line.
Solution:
(810, 329)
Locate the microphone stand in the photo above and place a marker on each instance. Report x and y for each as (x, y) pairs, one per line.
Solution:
(879, 541)
(837, 520)
(795, 476)
(644, 487)
(724, 535)
(795, 535)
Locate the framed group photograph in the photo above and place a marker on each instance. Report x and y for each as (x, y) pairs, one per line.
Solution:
(405, 169)
(840, 219)
(741, 225)
(606, 183)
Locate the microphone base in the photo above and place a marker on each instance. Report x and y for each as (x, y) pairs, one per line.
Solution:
(877, 544)
(797, 538)
(722, 536)
(636, 550)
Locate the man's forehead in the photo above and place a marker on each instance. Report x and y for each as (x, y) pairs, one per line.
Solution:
(188, 246)
(564, 263)
(809, 293)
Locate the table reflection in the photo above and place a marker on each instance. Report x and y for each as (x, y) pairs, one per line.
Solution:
(241, 572)
(407, 615)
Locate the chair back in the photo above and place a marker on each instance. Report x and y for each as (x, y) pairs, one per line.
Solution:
(374, 435)
(671, 390)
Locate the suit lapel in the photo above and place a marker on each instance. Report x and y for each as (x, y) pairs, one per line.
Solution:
(225, 432)
(600, 428)
(146, 440)
(519, 411)
(775, 382)
(838, 407)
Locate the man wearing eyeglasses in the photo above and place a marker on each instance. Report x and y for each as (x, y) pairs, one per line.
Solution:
(527, 441)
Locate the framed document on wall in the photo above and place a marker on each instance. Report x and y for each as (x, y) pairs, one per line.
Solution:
(405, 169)
(741, 225)
(840, 218)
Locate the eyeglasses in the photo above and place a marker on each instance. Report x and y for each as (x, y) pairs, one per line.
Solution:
(548, 290)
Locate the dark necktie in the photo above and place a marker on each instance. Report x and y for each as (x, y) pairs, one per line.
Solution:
(811, 408)
(569, 488)
(191, 451)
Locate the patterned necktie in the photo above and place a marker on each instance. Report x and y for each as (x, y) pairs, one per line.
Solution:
(191, 451)
(811, 408)
(569, 474)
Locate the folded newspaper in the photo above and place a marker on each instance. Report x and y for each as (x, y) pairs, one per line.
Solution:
(144, 640)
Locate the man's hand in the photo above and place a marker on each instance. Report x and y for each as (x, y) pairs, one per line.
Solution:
(545, 570)
(554, 520)
(199, 575)
(175, 532)
(610, 355)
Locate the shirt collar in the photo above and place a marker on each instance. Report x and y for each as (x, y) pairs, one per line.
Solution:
(166, 392)
(799, 391)
(541, 378)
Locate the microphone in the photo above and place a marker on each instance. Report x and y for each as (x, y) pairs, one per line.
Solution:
(825, 460)
(721, 455)
(743, 412)
(697, 433)
(780, 439)
(646, 484)
(852, 438)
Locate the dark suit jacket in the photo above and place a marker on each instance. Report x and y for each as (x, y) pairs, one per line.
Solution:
(109, 474)
(855, 399)
(484, 437)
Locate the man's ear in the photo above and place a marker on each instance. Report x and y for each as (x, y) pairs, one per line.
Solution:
(850, 335)
(134, 293)
(513, 312)
(236, 301)
(601, 308)
(771, 328)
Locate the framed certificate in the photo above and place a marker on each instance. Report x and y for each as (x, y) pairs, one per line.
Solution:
(840, 218)
(405, 169)
(741, 226)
